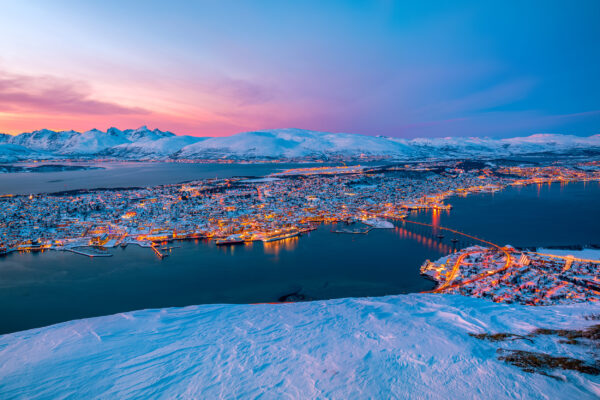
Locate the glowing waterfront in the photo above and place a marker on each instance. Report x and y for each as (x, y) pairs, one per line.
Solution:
(239, 210)
(39, 289)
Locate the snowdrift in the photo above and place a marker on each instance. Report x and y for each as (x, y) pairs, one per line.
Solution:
(409, 346)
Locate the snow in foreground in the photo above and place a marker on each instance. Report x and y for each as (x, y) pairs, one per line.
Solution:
(410, 346)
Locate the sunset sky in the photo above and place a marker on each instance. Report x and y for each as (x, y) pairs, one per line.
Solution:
(404, 69)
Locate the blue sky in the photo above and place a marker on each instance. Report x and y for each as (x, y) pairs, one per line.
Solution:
(209, 68)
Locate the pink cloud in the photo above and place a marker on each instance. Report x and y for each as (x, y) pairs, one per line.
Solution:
(47, 94)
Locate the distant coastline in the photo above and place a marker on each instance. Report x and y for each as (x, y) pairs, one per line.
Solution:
(12, 168)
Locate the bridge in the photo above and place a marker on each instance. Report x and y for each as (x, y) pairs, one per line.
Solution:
(456, 267)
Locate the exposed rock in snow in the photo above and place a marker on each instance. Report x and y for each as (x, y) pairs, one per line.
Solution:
(409, 346)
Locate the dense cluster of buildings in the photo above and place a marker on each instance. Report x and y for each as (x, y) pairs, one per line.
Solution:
(237, 210)
(507, 275)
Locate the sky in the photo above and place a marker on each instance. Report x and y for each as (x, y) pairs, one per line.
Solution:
(216, 68)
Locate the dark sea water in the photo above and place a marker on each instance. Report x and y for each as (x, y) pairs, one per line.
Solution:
(536, 215)
(41, 289)
(130, 174)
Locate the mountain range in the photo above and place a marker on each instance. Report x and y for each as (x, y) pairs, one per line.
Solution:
(296, 144)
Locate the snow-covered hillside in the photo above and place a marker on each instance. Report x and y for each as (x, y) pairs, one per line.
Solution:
(157, 148)
(298, 143)
(143, 143)
(409, 346)
(45, 140)
(14, 152)
(294, 143)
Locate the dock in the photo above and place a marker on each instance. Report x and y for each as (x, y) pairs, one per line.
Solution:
(158, 253)
(89, 252)
(353, 231)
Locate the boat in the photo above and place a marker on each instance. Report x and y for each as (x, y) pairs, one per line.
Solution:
(229, 240)
(440, 236)
(285, 235)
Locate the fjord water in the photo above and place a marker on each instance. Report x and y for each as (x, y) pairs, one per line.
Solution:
(129, 174)
(41, 289)
(528, 216)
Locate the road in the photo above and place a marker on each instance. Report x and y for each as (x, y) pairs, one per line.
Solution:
(456, 266)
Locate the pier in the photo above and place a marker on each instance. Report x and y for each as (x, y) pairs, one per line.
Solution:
(353, 231)
(89, 252)
(157, 251)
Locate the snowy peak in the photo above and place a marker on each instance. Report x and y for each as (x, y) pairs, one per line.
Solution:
(143, 133)
(293, 143)
(92, 142)
(44, 139)
(95, 142)
(162, 147)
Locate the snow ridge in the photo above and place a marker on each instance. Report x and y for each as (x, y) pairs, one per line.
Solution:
(407, 346)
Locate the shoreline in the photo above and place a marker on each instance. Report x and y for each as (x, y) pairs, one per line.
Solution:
(393, 218)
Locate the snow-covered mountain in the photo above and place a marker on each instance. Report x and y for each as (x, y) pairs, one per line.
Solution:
(13, 152)
(297, 143)
(294, 143)
(418, 346)
(156, 148)
(44, 140)
(539, 143)
(143, 143)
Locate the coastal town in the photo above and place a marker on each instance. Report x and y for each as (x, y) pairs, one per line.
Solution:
(292, 202)
(236, 210)
(507, 275)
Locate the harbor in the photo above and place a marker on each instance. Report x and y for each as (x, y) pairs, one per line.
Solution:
(235, 211)
(318, 264)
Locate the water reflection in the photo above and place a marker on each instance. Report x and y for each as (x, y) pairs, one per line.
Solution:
(435, 219)
(275, 247)
(231, 248)
(426, 241)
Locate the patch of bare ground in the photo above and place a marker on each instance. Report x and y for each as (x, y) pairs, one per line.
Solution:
(543, 363)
